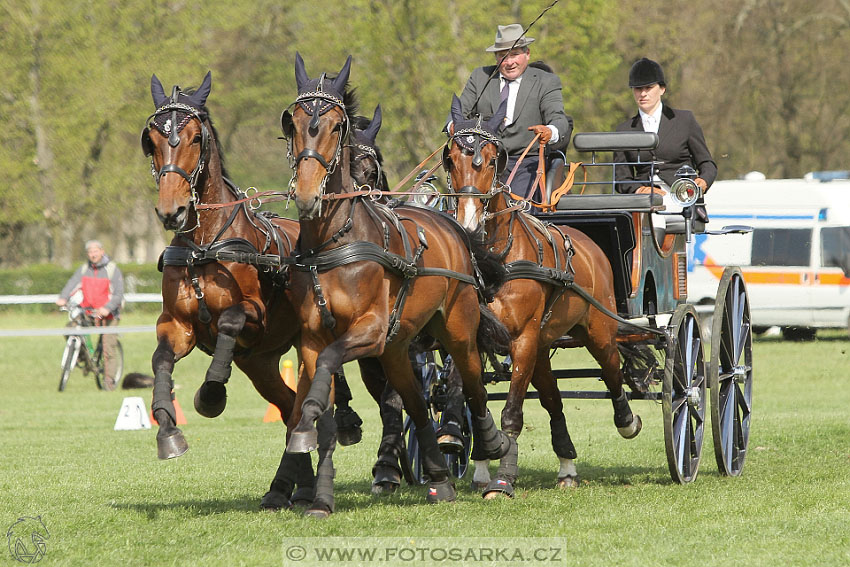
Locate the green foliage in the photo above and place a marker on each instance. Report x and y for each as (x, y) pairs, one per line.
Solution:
(48, 278)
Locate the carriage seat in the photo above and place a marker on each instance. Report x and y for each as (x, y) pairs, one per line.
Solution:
(614, 141)
(631, 202)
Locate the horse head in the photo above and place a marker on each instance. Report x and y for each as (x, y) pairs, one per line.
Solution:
(177, 140)
(474, 158)
(317, 129)
(366, 158)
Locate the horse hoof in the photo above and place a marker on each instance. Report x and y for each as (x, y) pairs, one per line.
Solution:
(443, 491)
(348, 431)
(303, 497)
(450, 444)
(350, 436)
(631, 431)
(275, 501)
(569, 481)
(303, 441)
(211, 399)
(171, 446)
(498, 487)
(318, 513)
(385, 488)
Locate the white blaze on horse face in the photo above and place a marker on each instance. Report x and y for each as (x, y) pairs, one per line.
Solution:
(468, 214)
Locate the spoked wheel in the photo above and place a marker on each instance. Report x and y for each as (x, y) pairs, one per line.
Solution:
(683, 395)
(103, 381)
(69, 360)
(730, 376)
(434, 375)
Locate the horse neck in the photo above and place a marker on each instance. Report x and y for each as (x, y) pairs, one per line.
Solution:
(498, 227)
(215, 191)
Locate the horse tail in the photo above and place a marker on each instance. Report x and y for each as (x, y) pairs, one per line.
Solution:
(490, 266)
(493, 337)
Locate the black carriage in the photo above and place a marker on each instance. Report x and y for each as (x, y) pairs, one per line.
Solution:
(661, 339)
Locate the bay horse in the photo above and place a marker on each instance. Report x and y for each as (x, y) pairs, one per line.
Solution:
(538, 303)
(223, 286)
(366, 281)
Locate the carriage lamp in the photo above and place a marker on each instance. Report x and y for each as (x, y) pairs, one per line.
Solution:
(684, 189)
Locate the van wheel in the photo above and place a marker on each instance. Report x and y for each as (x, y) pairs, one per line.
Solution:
(798, 334)
(762, 329)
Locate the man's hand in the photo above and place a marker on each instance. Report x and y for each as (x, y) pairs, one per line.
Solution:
(61, 302)
(543, 131)
(103, 312)
(648, 189)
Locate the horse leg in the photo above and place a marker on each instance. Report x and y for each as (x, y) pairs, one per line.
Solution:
(386, 474)
(600, 340)
(211, 397)
(449, 433)
(173, 344)
(550, 398)
(399, 371)
(323, 502)
(523, 355)
(347, 421)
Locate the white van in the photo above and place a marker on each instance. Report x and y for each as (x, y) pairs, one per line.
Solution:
(796, 261)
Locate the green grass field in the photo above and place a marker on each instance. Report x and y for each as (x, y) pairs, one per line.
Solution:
(107, 500)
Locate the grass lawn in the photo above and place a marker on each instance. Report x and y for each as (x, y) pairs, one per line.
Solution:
(106, 500)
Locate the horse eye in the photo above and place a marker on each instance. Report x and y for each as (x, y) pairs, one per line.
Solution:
(197, 139)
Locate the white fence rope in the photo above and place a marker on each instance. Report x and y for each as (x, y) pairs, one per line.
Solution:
(51, 297)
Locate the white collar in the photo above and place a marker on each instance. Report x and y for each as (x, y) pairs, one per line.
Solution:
(656, 116)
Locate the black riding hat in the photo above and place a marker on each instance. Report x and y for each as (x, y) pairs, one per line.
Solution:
(646, 72)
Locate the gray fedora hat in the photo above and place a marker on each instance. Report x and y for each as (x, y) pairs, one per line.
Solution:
(507, 35)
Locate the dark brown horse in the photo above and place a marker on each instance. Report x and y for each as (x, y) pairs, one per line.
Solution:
(222, 285)
(537, 304)
(367, 281)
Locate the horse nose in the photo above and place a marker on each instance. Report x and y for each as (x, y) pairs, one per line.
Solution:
(172, 221)
(308, 208)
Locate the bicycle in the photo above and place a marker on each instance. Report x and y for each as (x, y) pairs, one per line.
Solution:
(81, 351)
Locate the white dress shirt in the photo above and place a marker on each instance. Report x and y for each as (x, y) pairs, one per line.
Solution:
(513, 89)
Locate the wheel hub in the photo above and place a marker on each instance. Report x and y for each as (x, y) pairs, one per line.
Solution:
(739, 374)
(694, 398)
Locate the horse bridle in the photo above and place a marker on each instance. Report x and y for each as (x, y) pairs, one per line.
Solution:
(322, 102)
(477, 137)
(171, 129)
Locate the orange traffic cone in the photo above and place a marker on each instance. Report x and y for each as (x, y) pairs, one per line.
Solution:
(272, 412)
(178, 413)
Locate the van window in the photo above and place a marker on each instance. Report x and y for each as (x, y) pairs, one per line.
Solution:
(834, 246)
(782, 247)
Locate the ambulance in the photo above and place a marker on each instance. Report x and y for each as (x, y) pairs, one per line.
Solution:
(796, 260)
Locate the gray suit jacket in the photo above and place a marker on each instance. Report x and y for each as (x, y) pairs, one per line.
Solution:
(539, 101)
(680, 142)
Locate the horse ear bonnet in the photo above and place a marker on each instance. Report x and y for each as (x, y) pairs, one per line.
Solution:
(472, 141)
(193, 99)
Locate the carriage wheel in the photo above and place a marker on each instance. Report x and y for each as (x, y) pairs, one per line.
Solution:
(433, 375)
(683, 395)
(730, 376)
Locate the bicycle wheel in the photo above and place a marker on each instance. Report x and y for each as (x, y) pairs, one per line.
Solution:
(69, 360)
(105, 382)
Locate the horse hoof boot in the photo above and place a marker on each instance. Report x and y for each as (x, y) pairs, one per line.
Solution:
(498, 487)
(303, 441)
(631, 431)
(443, 491)
(348, 431)
(303, 497)
(569, 481)
(318, 513)
(211, 399)
(171, 446)
(386, 480)
(275, 501)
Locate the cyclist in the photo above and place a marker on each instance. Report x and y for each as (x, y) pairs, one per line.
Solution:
(101, 285)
